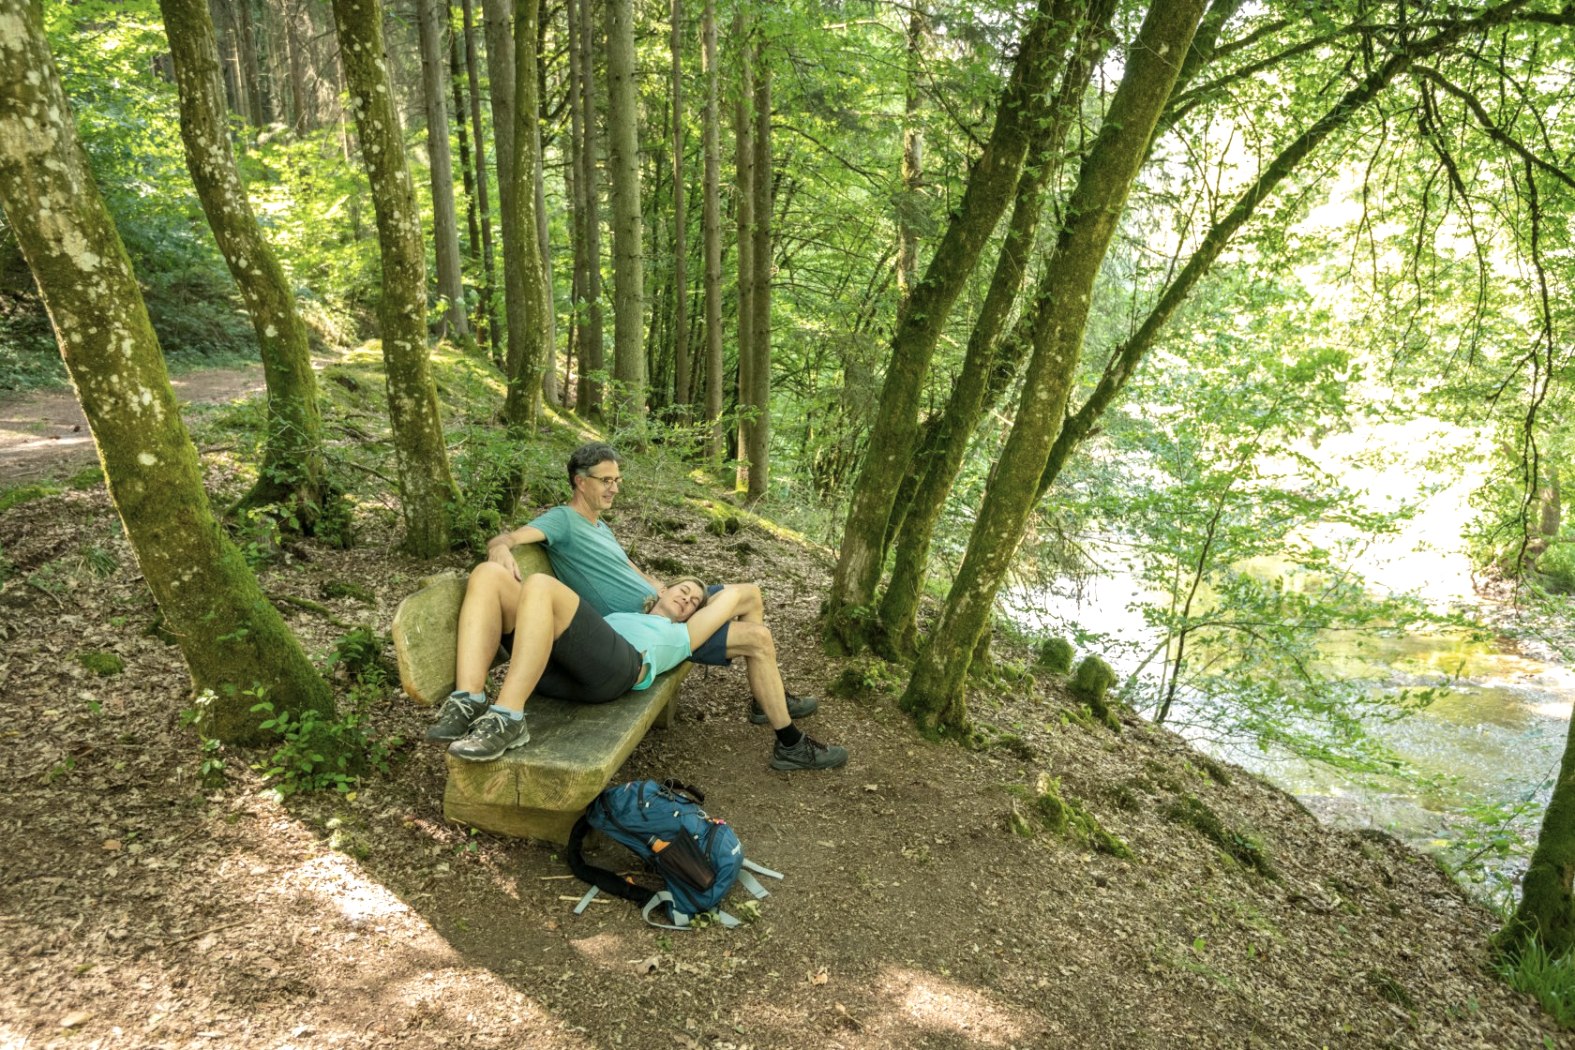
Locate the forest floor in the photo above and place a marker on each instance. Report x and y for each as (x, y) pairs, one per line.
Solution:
(145, 902)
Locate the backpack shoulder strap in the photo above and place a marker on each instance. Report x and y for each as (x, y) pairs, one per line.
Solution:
(600, 878)
(752, 884)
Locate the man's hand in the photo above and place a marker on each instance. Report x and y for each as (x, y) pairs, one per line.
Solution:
(503, 554)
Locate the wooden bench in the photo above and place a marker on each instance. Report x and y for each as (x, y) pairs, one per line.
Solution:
(536, 791)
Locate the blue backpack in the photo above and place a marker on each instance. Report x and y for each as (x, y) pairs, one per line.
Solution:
(698, 857)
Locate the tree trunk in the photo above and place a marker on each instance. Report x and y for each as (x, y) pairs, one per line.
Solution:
(744, 216)
(623, 164)
(303, 117)
(935, 693)
(528, 346)
(498, 18)
(234, 642)
(292, 473)
(989, 364)
(425, 486)
(682, 379)
(758, 405)
(256, 114)
(549, 318)
(467, 170)
(1546, 911)
(712, 221)
(990, 186)
(909, 202)
(595, 338)
(445, 221)
(574, 180)
(483, 204)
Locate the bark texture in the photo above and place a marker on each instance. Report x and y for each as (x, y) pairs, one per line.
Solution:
(681, 359)
(483, 203)
(232, 639)
(426, 488)
(744, 219)
(591, 396)
(292, 474)
(935, 695)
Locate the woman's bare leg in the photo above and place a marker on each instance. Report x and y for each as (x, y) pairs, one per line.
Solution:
(542, 612)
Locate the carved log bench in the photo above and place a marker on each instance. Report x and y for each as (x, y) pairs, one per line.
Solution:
(538, 790)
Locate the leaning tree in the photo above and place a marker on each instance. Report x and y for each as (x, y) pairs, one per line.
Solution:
(234, 642)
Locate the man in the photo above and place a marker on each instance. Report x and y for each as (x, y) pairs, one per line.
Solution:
(586, 557)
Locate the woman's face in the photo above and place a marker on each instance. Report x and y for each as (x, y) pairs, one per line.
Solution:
(679, 601)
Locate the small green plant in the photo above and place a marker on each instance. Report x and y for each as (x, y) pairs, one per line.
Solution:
(20, 494)
(867, 678)
(99, 561)
(1550, 981)
(320, 752)
(360, 653)
(210, 767)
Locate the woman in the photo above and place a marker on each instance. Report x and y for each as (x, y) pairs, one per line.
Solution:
(563, 648)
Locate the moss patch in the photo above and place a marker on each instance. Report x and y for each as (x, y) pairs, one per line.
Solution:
(15, 497)
(1091, 684)
(1055, 656)
(1067, 818)
(1241, 846)
(104, 664)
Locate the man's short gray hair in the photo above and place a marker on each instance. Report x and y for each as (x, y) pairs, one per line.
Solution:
(582, 459)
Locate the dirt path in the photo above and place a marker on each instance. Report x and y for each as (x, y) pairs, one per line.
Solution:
(44, 433)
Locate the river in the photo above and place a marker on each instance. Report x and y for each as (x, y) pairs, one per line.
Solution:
(1478, 759)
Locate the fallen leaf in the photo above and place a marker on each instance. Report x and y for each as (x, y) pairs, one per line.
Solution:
(871, 787)
(645, 966)
(820, 976)
(75, 1019)
(113, 845)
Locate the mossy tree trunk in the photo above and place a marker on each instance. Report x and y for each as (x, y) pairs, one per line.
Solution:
(426, 489)
(1546, 911)
(232, 639)
(529, 344)
(292, 474)
(488, 323)
(990, 362)
(582, 33)
(990, 187)
(935, 692)
(623, 165)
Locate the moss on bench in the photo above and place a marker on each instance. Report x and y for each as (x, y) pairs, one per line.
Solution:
(538, 790)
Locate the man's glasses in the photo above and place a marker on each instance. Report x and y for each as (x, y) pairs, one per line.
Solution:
(607, 482)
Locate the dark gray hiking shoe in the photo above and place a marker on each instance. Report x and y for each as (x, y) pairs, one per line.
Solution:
(490, 735)
(808, 754)
(798, 707)
(455, 716)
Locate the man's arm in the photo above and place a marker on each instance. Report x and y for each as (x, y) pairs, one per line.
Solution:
(500, 548)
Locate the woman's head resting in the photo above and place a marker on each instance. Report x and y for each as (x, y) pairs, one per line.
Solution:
(680, 600)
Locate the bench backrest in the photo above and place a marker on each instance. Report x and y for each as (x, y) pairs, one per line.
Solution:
(426, 629)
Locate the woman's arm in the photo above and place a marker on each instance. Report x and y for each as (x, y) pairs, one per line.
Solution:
(722, 607)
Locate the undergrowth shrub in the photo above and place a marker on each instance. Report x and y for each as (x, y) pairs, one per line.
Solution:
(1550, 981)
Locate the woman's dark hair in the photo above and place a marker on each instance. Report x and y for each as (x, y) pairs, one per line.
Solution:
(582, 459)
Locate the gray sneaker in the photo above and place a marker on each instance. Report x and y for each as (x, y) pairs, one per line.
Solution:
(490, 735)
(808, 754)
(798, 707)
(455, 716)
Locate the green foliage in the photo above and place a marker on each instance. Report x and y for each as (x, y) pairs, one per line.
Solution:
(868, 678)
(1055, 655)
(319, 753)
(361, 654)
(1551, 981)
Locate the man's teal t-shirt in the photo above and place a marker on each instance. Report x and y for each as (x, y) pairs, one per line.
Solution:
(589, 560)
(663, 643)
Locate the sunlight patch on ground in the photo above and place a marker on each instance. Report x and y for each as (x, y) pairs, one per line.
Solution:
(332, 878)
(933, 1002)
